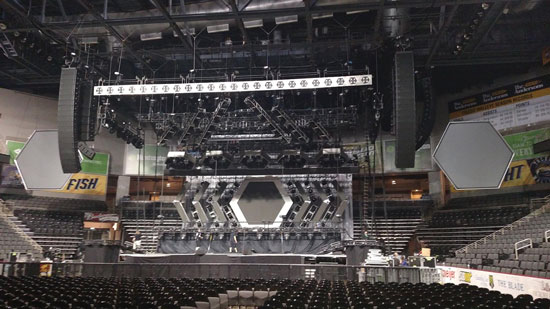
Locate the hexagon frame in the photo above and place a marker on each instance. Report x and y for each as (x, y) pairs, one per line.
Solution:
(441, 166)
(234, 203)
(53, 170)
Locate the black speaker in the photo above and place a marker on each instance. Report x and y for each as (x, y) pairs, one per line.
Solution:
(88, 115)
(67, 120)
(405, 109)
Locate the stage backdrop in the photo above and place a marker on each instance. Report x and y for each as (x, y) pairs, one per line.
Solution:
(90, 182)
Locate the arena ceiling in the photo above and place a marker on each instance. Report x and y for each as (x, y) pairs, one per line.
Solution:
(465, 41)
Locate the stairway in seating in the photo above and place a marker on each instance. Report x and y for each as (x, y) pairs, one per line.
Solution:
(149, 229)
(14, 238)
(395, 233)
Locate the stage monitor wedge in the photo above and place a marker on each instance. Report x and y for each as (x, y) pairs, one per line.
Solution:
(405, 109)
(67, 120)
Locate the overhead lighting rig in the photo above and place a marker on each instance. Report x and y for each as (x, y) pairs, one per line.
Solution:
(236, 86)
(124, 130)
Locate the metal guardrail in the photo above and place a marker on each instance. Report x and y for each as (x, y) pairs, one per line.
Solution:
(522, 244)
(217, 270)
(544, 207)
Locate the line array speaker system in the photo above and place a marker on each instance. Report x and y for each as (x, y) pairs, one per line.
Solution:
(87, 119)
(68, 113)
(405, 109)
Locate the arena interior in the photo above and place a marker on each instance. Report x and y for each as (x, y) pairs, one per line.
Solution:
(275, 154)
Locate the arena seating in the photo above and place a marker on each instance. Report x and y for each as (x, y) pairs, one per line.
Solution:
(54, 223)
(144, 216)
(497, 252)
(396, 231)
(12, 238)
(399, 224)
(52, 203)
(459, 224)
(65, 292)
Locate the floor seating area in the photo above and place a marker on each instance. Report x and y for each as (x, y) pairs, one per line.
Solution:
(497, 252)
(465, 220)
(81, 293)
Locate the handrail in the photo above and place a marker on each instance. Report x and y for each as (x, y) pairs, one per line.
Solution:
(517, 247)
(544, 208)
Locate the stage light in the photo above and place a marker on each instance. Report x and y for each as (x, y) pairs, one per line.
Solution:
(3, 26)
(393, 182)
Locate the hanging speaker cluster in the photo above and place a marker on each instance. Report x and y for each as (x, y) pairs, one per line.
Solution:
(68, 113)
(76, 118)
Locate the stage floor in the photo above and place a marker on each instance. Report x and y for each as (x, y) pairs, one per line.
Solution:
(234, 258)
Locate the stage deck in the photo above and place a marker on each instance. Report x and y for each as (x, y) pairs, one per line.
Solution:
(234, 258)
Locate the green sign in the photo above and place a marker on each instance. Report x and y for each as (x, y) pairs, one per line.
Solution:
(522, 143)
(13, 149)
(148, 161)
(99, 165)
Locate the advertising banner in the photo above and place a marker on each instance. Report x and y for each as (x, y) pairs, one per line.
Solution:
(518, 104)
(92, 179)
(504, 283)
(527, 168)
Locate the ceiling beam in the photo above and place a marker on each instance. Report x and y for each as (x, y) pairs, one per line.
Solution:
(186, 42)
(90, 8)
(309, 21)
(239, 21)
(317, 9)
(44, 30)
(435, 45)
(378, 20)
(490, 20)
(11, 76)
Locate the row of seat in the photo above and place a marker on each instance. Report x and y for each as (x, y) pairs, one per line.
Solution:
(182, 293)
(53, 203)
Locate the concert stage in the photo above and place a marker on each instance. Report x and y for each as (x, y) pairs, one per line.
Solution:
(233, 258)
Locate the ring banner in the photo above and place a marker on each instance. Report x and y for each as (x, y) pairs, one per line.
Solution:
(519, 104)
(504, 283)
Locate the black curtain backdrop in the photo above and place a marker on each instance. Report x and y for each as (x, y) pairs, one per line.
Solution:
(313, 245)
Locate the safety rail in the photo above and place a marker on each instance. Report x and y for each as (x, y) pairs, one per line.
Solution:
(225, 270)
(545, 206)
(528, 244)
